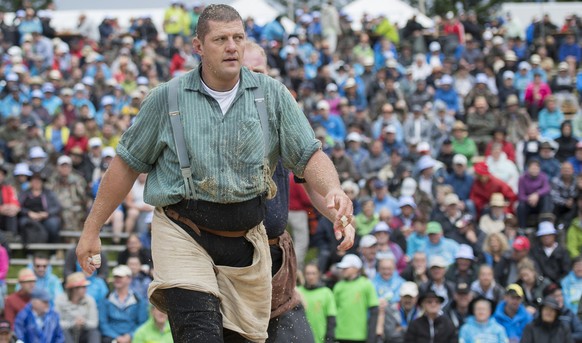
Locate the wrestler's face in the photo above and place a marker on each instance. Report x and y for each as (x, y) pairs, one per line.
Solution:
(222, 51)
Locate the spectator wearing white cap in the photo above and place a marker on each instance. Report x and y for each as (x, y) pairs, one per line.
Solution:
(355, 150)
(50, 101)
(426, 177)
(368, 249)
(464, 270)
(507, 87)
(390, 142)
(421, 70)
(550, 256)
(397, 317)
(386, 247)
(123, 311)
(333, 124)
(356, 316)
(437, 283)
(447, 93)
(71, 191)
(404, 220)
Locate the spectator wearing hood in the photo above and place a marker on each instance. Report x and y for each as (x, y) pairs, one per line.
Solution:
(547, 327)
(38, 321)
(446, 93)
(511, 314)
(568, 318)
(480, 326)
(485, 185)
(566, 142)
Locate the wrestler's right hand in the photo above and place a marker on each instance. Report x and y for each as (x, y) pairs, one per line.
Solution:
(89, 251)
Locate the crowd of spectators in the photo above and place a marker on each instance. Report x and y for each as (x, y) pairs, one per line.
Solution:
(458, 144)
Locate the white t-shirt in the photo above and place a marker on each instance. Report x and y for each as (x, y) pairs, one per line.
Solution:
(224, 99)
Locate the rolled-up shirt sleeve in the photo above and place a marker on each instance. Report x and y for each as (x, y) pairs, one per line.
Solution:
(296, 138)
(140, 146)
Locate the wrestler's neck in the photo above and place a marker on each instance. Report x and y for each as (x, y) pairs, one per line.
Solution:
(215, 82)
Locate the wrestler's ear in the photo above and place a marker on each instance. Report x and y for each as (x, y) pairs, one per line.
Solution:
(197, 45)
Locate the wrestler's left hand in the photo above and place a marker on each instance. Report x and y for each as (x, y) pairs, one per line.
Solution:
(349, 234)
(338, 200)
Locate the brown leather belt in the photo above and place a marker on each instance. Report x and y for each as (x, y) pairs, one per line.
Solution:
(196, 228)
(274, 241)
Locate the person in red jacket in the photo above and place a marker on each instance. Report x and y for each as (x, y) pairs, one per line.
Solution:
(79, 139)
(9, 205)
(17, 300)
(485, 185)
(299, 207)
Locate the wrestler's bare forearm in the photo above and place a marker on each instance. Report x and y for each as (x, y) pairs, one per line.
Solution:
(318, 201)
(115, 184)
(321, 174)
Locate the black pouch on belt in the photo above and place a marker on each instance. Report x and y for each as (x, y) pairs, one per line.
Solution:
(224, 217)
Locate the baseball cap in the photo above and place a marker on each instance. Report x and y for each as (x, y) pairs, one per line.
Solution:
(430, 294)
(390, 129)
(551, 302)
(446, 80)
(433, 228)
(331, 87)
(322, 105)
(406, 201)
(460, 159)
(524, 65)
(108, 152)
(379, 184)
(107, 100)
(36, 152)
(535, 59)
(514, 290)
(22, 169)
(368, 241)
(481, 168)
(481, 78)
(437, 261)
(508, 74)
(451, 199)
(381, 227)
(462, 288)
(354, 137)
(26, 275)
(408, 187)
(121, 271)
(95, 142)
(349, 261)
(465, 252)
(426, 162)
(409, 288)
(350, 83)
(434, 46)
(40, 294)
(423, 147)
(64, 160)
(37, 93)
(521, 243)
(5, 326)
(546, 228)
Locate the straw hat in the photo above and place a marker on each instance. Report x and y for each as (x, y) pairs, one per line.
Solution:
(76, 280)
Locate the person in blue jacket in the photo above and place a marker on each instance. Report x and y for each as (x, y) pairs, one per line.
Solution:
(446, 93)
(480, 326)
(511, 313)
(123, 311)
(37, 322)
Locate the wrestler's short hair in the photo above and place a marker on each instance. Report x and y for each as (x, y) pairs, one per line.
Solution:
(215, 12)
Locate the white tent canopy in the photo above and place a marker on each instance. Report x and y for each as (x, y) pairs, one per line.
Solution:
(396, 11)
(259, 10)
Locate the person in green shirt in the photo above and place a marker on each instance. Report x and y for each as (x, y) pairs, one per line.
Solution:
(357, 303)
(367, 219)
(462, 144)
(155, 330)
(319, 305)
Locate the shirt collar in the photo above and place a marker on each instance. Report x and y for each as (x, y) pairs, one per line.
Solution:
(193, 81)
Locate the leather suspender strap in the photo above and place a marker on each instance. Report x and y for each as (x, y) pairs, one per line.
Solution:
(179, 141)
(264, 116)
